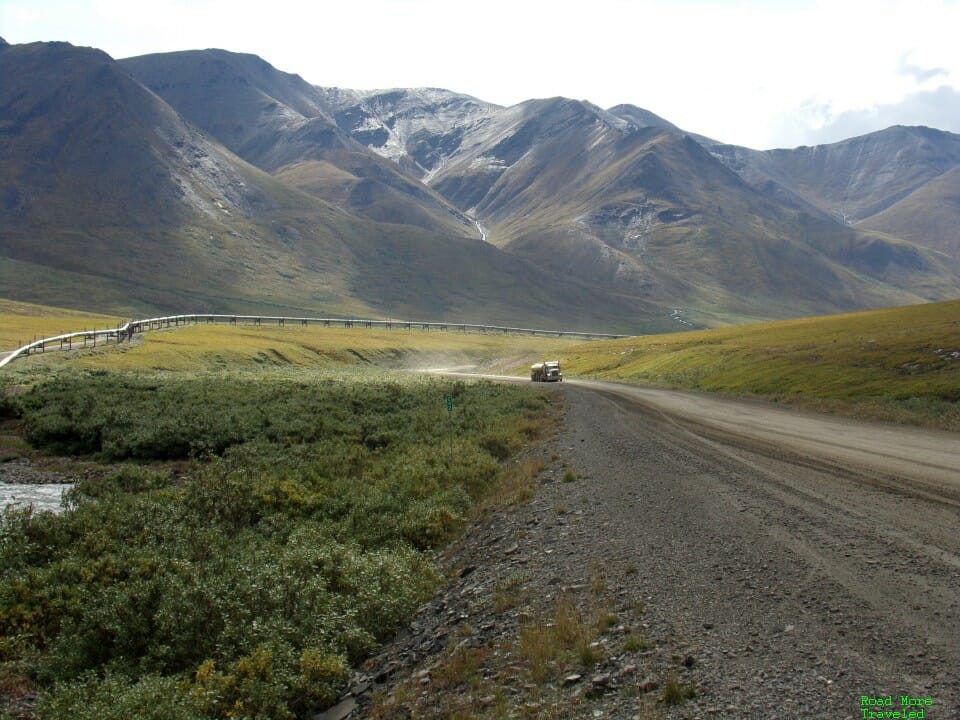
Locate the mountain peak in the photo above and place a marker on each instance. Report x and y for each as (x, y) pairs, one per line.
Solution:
(258, 106)
(641, 118)
(4, 43)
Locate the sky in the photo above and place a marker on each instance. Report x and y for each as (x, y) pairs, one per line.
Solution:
(761, 74)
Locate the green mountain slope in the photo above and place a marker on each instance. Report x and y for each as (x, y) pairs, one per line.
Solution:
(928, 216)
(898, 363)
(110, 201)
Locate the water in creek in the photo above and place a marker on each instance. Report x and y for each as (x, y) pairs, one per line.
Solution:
(43, 496)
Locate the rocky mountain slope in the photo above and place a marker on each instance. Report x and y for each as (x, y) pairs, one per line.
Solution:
(212, 180)
(904, 181)
(628, 200)
(111, 200)
(105, 185)
(276, 121)
(418, 128)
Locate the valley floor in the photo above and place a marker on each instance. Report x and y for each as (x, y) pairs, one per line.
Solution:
(732, 561)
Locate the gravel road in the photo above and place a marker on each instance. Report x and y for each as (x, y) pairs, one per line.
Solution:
(814, 560)
(784, 563)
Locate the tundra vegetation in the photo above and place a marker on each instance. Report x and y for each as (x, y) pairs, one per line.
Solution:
(23, 322)
(897, 364)
(244, 538)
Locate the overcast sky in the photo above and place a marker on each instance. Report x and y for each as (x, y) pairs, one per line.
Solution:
(759, 74)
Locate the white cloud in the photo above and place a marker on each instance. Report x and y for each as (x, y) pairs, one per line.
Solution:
(938, 108)
(920, 75)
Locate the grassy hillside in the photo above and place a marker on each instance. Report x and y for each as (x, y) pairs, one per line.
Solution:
(22, 322)
(900, 364)
(927, 216)
(216, 347)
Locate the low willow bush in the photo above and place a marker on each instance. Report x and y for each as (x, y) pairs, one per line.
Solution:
(250, 585)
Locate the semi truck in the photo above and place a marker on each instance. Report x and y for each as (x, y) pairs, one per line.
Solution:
(547, 371)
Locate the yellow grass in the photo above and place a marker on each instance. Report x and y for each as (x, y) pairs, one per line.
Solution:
(896, 363)
(890, 359)
(22, 323)
(216, 347)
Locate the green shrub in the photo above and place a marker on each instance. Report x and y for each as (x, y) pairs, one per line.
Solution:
(295, 543)
(128, 479)
(9, 407)
(115, 697)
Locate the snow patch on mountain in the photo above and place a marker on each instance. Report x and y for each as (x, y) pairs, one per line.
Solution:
(609, 119)
(487, 163)
(477, 136)
(599, 135)
(420, 124)
(392, 149)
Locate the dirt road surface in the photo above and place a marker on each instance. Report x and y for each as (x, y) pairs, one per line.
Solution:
(802, 561)
(824, 553)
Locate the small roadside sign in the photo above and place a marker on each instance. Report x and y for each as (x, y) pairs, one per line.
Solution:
(449, 400)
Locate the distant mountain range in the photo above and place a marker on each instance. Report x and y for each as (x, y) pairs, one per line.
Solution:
(209, 180)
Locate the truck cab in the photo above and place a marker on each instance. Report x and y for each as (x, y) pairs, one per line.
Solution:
(547, 371)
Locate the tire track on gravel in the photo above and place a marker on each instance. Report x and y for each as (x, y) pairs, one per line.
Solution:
(843, 579)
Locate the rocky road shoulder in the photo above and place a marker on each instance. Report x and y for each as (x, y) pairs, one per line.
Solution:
(536, 621)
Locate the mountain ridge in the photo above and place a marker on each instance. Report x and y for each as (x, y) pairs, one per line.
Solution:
(111, 199)
(589, 193)
(276, 120)
(425, 200)
(861, 181)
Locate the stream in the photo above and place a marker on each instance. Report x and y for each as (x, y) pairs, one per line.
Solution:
(43, 496)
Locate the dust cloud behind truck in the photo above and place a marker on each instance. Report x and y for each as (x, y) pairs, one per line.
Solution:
(548, 371)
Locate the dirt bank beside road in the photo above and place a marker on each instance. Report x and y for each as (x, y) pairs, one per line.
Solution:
(779, 563)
